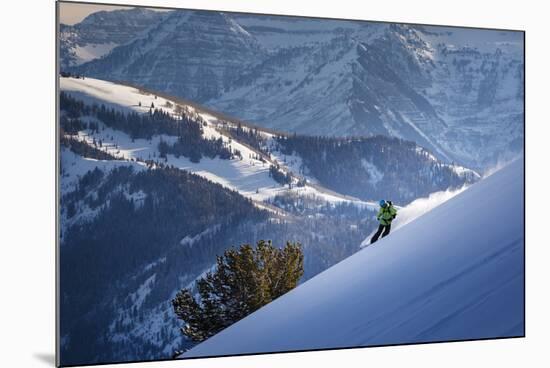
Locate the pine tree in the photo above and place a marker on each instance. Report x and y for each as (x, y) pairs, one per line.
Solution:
(245, 279)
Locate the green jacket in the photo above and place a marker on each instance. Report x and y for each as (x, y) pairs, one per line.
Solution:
(386, 215)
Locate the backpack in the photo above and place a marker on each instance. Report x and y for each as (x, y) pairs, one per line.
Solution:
(385, 211)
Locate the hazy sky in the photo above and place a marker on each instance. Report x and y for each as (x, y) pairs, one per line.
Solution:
(71, 13)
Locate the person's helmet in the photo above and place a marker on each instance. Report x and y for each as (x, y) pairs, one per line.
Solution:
(382, 203)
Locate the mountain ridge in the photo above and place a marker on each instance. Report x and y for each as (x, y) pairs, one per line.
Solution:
(100, 32)
(440, 87)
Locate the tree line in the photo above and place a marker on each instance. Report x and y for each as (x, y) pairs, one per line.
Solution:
(189, 131)
(371, 168)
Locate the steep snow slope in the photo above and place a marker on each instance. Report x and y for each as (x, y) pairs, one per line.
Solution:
(417, 208)
(455, 273)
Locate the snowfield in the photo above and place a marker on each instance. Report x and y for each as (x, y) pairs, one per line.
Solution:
(455, 273)
(114, 95)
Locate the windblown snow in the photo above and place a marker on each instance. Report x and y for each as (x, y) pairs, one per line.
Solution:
(417, 208)
(455, 273)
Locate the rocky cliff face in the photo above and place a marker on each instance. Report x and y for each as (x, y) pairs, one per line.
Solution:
(196, 55)
(457, 92)
(465, 103)
(101, 32)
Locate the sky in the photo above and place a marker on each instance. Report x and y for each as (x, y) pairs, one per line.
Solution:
(71, 13)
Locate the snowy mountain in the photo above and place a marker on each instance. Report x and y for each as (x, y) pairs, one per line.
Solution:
(364, 164)
(113, 179)
(374, 167)
(457, 92)
(456, 273)
(464, 103)
(184, 133)
(179, 184)
(191, 54)
(100, 32)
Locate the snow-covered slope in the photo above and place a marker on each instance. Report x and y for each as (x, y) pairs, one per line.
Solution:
(249, 176)
(417, 208)
(455, 273)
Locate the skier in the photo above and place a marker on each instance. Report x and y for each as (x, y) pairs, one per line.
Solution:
(385, 216)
